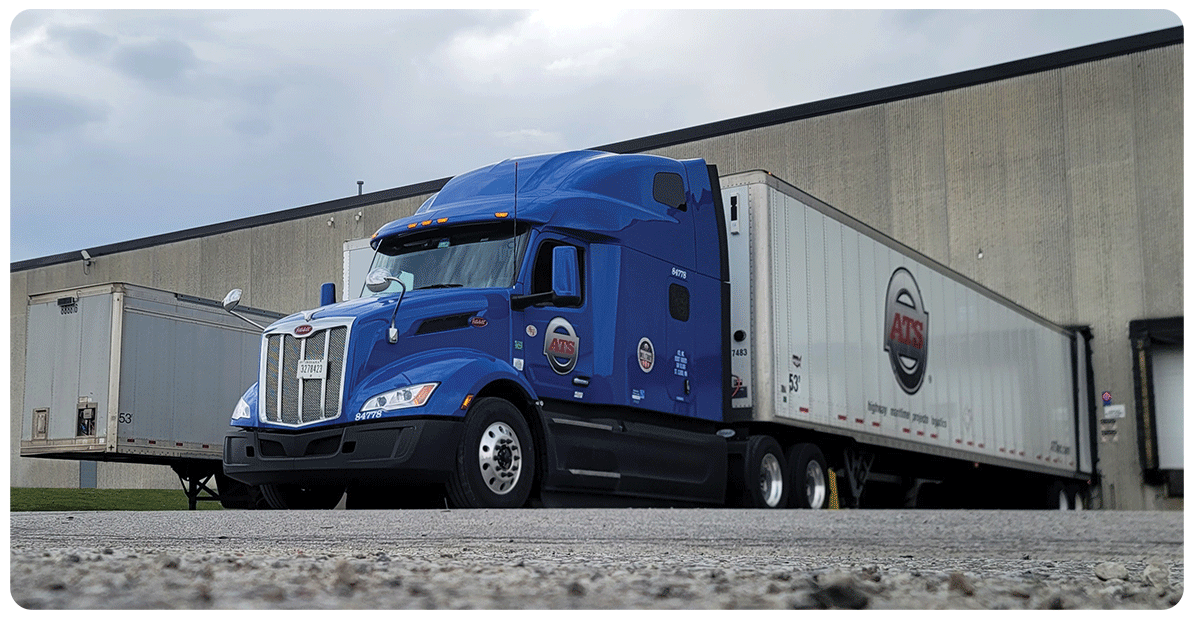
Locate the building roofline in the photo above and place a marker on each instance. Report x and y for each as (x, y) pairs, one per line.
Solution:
(914, 89)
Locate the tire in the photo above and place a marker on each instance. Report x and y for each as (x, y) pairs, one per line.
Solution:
(495, 463)
(1080, 501)
(236, 495)
(809, 477)
(1059, 497)
(764, 475)
(293, 497)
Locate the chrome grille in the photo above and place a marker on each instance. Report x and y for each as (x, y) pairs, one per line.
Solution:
(287, 399)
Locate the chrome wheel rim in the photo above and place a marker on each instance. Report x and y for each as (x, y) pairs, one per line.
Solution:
(499, 458)
(770, 480)
(814, 487)
(1064, 502)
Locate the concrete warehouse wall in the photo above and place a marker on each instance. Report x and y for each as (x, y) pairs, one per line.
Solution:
(1069, 180)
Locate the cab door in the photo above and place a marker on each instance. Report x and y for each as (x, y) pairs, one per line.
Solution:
(558, 341)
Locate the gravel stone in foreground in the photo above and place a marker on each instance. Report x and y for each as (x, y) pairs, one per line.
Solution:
(597, 559)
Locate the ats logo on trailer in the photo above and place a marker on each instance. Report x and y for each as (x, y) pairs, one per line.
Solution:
(907, 323)
(562, 346)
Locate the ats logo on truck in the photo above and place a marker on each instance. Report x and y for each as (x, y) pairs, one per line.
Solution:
(562, 346)
(907, 323)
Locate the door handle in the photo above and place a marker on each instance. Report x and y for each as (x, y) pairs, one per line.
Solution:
(581, 381)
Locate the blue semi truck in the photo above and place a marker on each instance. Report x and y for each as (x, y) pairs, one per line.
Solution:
(587, 328)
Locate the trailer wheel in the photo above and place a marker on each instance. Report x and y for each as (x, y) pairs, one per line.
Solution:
(764, 475)
(495, 463)
(809, 477)
(293, 497)
(1059, 496)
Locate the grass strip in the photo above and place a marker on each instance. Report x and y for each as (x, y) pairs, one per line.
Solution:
(90, 499)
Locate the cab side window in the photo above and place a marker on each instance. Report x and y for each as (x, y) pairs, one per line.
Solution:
(543, 267)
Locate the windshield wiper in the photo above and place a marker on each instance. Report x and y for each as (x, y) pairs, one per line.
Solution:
(438, 286)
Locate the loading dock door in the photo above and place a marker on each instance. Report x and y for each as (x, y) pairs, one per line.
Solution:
(1158, 391)
(1166, 364)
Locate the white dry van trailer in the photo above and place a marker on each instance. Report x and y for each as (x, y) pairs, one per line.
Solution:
(901, 368)
(122, 373)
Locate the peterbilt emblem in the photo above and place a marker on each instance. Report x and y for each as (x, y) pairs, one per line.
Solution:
(562, 346)
(302, 330)
(907, 324)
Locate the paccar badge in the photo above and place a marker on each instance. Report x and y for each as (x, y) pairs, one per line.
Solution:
(302, 330)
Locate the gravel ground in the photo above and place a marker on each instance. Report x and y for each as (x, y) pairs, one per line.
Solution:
(597, 559)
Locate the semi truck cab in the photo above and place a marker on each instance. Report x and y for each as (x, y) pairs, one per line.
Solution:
(540, 329)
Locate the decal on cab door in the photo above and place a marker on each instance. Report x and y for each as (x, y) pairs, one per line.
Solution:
(561, 346)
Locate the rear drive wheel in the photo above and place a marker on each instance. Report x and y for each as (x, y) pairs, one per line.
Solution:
(765, 481)
(293, 497)
(809, 477)
(495, 463)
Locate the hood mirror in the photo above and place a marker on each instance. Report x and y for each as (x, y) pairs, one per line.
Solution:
(379, 280)
(232, 299)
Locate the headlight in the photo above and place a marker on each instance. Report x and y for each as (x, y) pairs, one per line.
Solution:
(242, 410)
(403, 398)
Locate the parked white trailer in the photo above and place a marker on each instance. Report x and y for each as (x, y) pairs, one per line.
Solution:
(842, 330)
(122, 373)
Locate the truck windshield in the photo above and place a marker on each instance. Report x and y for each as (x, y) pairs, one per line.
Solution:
(479, 257)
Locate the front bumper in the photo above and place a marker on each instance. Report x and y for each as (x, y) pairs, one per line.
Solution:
(421, 450)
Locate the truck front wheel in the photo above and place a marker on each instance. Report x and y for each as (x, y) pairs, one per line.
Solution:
(495, 461)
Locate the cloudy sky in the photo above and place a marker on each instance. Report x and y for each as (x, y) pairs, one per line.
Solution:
(127, 124)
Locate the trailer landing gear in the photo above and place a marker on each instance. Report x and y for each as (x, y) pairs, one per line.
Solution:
(195, 479)
(858, 466)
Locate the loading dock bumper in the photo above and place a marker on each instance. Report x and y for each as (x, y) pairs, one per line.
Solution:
(419, 450)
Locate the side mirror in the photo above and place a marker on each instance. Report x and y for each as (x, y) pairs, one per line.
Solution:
(232, 299)
(564, 280)
(378, 280)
